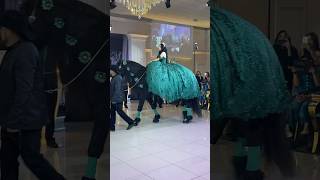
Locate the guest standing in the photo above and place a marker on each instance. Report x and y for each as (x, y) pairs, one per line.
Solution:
(22, 101)
(116, 97)
(287, 54)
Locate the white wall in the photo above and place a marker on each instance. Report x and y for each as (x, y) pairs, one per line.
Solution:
(296, 16)
(99, 4)
(137, 27)
(255, 11)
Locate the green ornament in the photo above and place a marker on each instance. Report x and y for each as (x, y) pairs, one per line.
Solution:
(84, 57)
(100, 77)
(47, 5)
(141, 85)
(70, 40)
(58, 23)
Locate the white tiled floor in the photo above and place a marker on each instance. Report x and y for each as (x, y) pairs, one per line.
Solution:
(169, 150)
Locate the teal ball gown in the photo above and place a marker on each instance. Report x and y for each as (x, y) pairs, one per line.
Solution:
(171, 81)
(247, 80)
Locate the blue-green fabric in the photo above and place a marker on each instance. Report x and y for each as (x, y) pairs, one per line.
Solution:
(240, 147)
(171, 81)
(246, 77)
(138, 114)
(254, 158)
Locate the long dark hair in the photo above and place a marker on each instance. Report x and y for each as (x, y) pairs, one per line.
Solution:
(276, 42)
(314, 37)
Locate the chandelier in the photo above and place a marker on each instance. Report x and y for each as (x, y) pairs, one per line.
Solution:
(139, 7)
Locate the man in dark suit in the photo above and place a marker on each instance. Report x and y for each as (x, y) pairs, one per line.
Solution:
(22, 101)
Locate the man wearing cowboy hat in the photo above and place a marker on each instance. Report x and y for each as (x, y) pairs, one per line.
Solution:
(22, 101)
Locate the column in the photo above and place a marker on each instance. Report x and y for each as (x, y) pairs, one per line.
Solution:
(137, 45)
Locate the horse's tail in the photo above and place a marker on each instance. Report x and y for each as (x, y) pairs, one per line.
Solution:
(276, 146)
(194, 105)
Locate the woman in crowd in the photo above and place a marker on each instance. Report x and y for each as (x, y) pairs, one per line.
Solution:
(287, 55)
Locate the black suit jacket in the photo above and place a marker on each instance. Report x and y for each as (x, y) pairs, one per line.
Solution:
(22, 97)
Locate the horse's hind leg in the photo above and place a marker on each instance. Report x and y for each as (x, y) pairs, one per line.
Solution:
(187, 111)
(253, 137)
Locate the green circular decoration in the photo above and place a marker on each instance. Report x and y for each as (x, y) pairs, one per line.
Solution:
(100, 77)
(47, 5)
(136, 79)
(128, 68)
(71, 41)
(84, 57)
(141, 85)
(58, 23)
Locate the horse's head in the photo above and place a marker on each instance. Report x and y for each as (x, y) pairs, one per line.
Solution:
(65, 22)
(74, 29)
(134, 72)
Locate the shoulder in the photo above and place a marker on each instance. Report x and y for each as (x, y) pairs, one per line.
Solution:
(27, 48)
(26, 45)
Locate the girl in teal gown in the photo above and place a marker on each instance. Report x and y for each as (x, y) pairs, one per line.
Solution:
(174, 82)
(169, 80)
(249, 89)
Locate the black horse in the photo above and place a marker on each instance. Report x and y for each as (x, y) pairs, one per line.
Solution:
(136, 75)
(73, 37)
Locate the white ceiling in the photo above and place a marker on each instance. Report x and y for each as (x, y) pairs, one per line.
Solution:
(98, 4)
(188, 12)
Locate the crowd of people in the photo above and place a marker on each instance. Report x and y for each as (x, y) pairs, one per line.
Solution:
(204, 85)
(301, 69)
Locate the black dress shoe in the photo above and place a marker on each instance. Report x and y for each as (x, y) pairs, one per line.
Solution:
(156, 118)
(52, 143)
(86, 178)
(130, 126)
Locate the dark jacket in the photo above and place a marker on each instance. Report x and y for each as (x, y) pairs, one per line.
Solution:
(124, 83)
(116, 92)
(22, 97)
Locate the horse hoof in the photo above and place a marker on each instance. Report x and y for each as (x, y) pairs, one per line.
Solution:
(137, 121)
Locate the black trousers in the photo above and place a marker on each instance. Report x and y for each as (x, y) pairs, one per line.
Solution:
(125, 95)
(51, 104)
(26, 144)
(117, 108)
